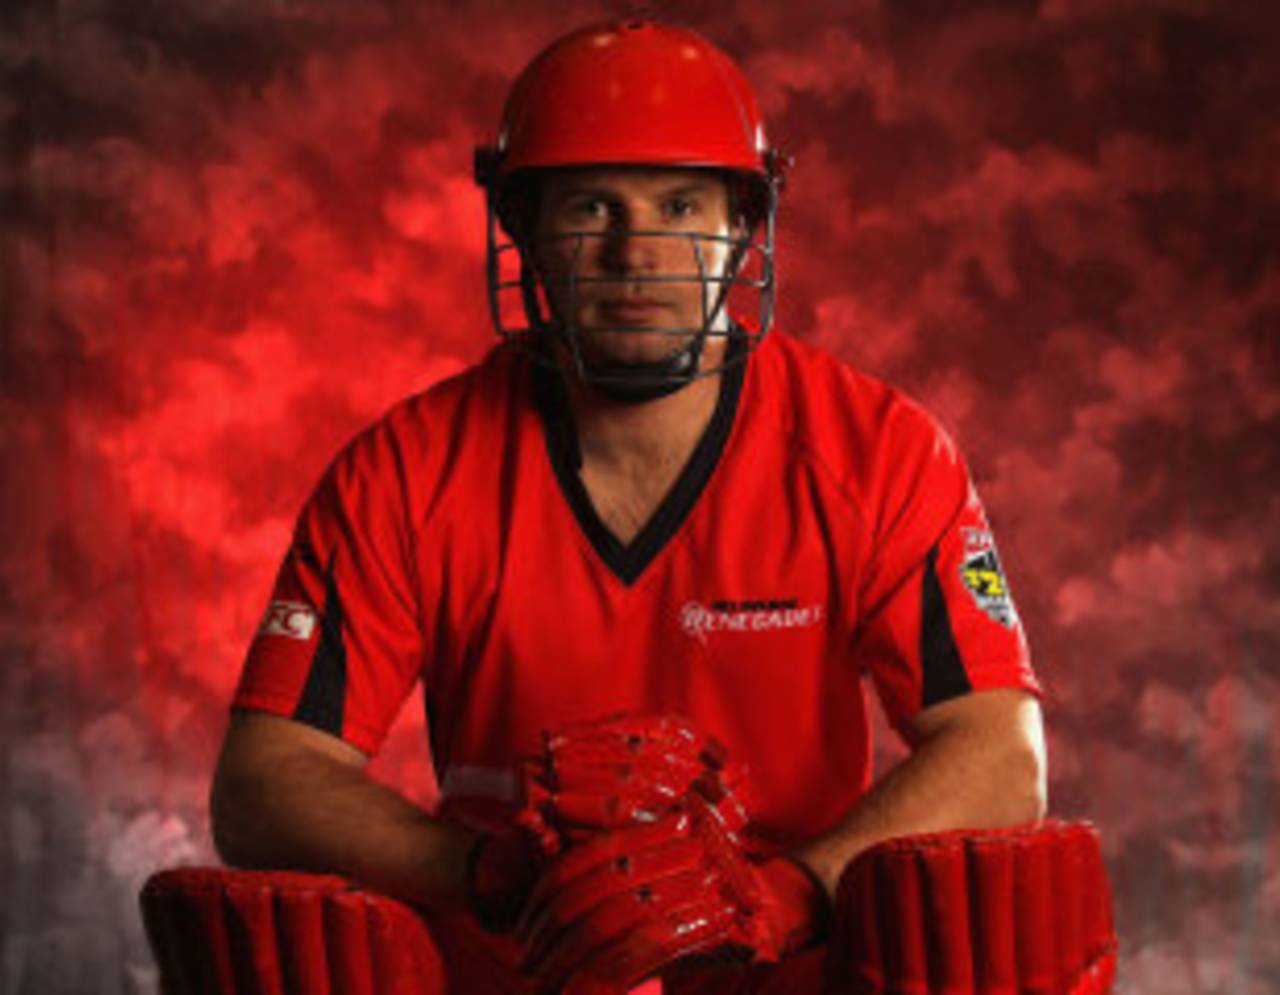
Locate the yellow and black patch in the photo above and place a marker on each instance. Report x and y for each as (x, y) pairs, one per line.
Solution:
(984, 579)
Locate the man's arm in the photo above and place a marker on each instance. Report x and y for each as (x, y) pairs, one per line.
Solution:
(286, 795)
(977, 761)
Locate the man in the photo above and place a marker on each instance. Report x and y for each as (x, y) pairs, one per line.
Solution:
(639, 505)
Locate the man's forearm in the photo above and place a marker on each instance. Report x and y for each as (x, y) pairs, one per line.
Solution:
(958, 778)
(313, 813)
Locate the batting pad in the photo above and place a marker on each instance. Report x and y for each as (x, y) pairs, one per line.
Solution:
(1023, 911)
(215, 931)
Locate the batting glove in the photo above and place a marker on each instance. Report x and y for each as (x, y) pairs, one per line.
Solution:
(625, 904)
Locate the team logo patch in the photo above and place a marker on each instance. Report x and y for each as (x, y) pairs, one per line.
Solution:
(984, 579)
(292, 619)
(697, 619)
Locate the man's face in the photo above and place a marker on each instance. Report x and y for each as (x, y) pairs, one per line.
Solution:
(619, 226)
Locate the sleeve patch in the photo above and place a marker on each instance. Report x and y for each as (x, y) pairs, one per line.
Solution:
(983, 578)
(291, 619)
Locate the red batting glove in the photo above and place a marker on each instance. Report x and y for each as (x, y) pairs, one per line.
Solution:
(623, 770)
(783, 906)
(622, 906)
(592, 776)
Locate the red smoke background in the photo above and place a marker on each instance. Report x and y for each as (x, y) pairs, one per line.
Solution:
(235, 233)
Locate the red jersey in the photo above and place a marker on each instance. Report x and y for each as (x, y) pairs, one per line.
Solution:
(824, 529)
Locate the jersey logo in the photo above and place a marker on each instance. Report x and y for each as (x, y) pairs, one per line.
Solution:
(288, 618)
(984, 579)
(697, 619)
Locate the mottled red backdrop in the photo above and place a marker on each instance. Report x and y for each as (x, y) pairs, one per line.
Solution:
(235, 232)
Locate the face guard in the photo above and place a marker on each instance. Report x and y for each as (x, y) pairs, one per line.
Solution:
(632, 94)
(736, 301)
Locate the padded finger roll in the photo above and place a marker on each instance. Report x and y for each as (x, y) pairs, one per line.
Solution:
(990, 876)
(1023, 911)
(946, 910)
(1034, 909)
(626, 769)
(900, 896)
(221, 932)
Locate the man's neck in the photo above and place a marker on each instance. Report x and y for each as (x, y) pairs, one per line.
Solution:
(634, 438)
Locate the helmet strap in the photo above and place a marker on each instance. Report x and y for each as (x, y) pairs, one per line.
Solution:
(636, 383)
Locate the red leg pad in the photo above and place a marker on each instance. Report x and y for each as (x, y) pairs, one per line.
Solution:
(1024, 911)
(215, 931)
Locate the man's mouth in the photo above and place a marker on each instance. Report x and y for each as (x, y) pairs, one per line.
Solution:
(631, 307)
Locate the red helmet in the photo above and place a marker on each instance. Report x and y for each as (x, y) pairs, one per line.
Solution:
(632, 93)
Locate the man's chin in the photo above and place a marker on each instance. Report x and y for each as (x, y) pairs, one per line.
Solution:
(631, 348)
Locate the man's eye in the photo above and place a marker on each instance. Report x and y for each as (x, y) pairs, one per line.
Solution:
(679, 207)
(590, 207)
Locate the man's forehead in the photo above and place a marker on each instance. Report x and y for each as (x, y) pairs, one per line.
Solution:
(631, 179)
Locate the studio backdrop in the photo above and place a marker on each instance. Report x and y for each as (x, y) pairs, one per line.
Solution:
(236, 232)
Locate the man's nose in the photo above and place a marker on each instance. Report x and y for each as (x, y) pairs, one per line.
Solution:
(627, 249)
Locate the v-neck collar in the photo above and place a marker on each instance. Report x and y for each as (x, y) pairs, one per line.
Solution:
(628, 560)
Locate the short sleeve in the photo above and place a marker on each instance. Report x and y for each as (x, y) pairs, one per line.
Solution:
(340, 645)
(937, 618)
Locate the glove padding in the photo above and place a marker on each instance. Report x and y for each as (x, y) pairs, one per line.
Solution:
(590, 777)
(624, 770)
(615, 909)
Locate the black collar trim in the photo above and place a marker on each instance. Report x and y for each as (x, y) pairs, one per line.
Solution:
(628, 561)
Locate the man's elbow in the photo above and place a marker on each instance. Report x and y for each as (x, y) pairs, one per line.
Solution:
(1028, 787)
(1015, 775)
(240, 808)
(997, 743)
(1022, 779)
(266, 788)
(229, 812)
